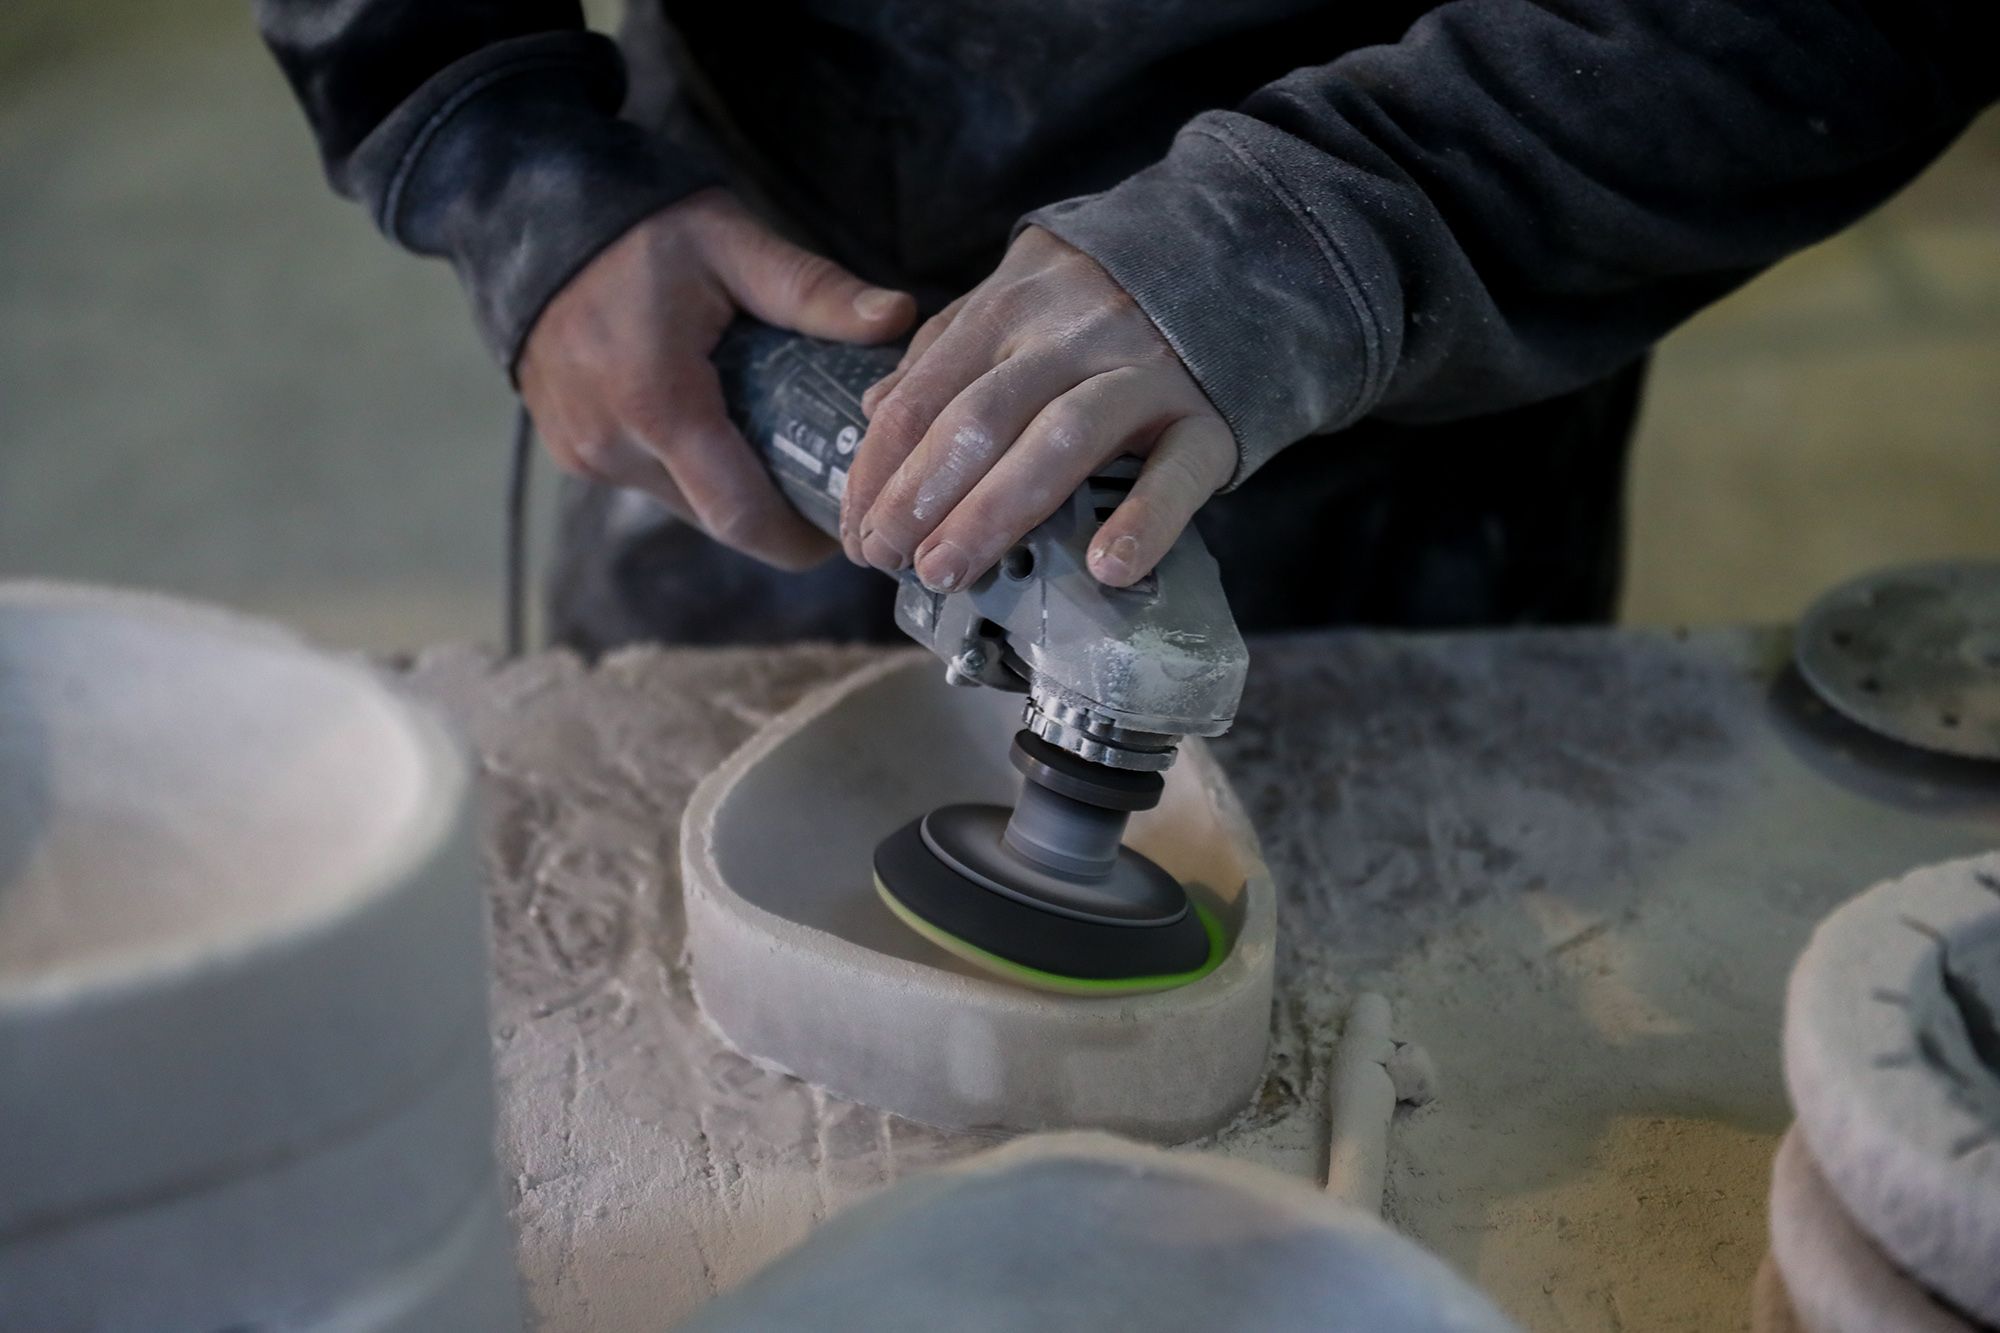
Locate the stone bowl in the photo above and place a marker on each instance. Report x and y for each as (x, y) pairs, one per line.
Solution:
(1833, 1278)
(1086, 1231)
(1892, 1059)
(799, 965)
(244, 1075)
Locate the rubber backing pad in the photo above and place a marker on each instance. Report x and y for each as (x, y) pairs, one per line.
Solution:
(1036, 948)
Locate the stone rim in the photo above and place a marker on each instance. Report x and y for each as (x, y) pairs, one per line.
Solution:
(724, 923)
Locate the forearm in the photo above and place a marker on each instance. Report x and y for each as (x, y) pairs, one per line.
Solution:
(484, 133)
(1518, 197)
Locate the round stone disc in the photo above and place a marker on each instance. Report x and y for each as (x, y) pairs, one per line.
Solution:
(1892, 1059)
(1834, 1279)
(1912, 653)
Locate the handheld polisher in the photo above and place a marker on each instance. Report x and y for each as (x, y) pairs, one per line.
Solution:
(1112, 678)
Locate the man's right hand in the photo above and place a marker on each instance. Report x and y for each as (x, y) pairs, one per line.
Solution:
(616, 370)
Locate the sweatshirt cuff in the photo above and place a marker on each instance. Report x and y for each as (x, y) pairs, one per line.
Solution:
(1289, 327)
(512, 163)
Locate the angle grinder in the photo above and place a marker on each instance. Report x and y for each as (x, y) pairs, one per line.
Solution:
(1045, 894)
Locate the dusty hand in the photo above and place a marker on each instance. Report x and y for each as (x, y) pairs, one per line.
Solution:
(1010, 399)
(616, 371)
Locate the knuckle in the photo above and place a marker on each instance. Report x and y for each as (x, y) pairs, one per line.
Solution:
(707, 219)
(979, 528)
(1177, 471)
(1008, 301)
(880, 389)
(1064, 426)
(895, 529)
(1137, 516)
(736, 525)
(801, 275)
(1136, 382)
(933, 327)
(929, 331)
(899, 418)
(962, 440)
(988, 535)
(1187, 475)
(640, 401)
(595, 455)
(893, 498)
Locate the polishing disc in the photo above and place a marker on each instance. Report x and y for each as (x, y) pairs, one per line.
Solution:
(1007, 934)
(971, 839)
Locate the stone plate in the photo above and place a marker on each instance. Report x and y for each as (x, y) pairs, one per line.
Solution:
(1912, 653)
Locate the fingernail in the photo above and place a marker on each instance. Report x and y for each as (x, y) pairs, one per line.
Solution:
(1114, 560)
(943, 567)
(876, 550)
(877, 303)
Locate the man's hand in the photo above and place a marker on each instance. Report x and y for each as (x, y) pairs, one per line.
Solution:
(616, 370)
(1010, 399)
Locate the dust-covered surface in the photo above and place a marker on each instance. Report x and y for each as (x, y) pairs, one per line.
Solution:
(649, 1165)
(1579, 863)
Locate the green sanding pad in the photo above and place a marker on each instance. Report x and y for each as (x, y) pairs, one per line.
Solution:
(1037, 979)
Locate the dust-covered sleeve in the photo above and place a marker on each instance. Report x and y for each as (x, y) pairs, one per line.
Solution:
(483, 131)
(1520, 196)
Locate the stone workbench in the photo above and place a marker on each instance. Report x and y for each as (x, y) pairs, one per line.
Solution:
(1579, 862)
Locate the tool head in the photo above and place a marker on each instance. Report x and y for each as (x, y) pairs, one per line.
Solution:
(1046, 894)
(1113, 675)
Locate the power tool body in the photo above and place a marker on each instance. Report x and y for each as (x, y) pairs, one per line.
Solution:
(1111, 679)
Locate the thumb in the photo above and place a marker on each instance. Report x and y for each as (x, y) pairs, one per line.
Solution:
(781, 284)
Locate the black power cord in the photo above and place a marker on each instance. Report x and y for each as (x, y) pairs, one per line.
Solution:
(519, 468)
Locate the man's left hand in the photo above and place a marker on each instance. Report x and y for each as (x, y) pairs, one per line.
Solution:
(1007, 401)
